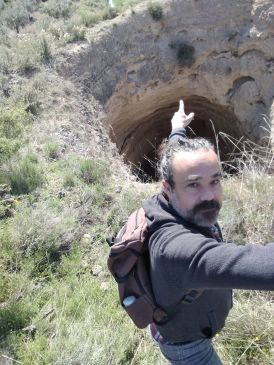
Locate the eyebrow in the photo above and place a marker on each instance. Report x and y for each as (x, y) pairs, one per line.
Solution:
(192, 178)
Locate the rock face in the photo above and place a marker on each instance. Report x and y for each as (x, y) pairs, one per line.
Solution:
(217, 55)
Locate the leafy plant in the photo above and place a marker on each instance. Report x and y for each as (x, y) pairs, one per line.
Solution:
(58, 9)
(13, 118)
(156, 11)
(17, 15)
(185, 54)
(25, 175)
(94, 171)
(13, 317)
(52, 150)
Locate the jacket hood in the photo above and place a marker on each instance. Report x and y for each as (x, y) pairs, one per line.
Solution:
(160, 213)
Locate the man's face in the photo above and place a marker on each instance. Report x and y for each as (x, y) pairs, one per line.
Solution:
(197, 194)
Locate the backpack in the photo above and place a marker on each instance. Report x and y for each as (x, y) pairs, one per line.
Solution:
(128, 262)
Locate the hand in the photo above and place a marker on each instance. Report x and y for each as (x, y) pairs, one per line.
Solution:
(180, 119)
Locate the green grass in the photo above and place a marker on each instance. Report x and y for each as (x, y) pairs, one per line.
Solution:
(53, 272)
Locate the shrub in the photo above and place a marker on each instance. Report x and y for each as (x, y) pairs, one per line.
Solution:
(74, 33)
(13, 118)
(109, 13)
(44, 232)
(25, 176)
(5, 59)
(89, 16)
(45, 51)
(29, 93)
(52, 150)
(8, 148)
(30, 52)
(69, 180)
(13, 317)
(3, 81)
(185, 54)
(156, 11)
(94, 171)
(17, 14)
(58, 9)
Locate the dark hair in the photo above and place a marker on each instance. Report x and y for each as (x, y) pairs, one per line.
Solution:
(181, 145)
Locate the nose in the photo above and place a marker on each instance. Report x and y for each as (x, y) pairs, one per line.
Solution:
(207, 195)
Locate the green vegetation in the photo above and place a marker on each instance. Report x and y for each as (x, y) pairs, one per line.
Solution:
(156, 11)
(25, 175)
(13, 118)
(58, 303)
(184, 53)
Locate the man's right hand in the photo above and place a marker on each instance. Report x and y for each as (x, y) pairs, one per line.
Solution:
(180, 119)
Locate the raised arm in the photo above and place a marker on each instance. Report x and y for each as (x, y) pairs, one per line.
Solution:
(179, 122)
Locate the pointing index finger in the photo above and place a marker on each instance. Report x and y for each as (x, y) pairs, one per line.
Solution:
(181, 107)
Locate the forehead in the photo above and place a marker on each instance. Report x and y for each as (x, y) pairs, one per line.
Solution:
(200, 162)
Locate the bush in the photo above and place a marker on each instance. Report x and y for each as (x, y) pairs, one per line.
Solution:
(25, 176)
(13, 118)
(29, 93)
(69, 180)
(13, 317)
(185, 54)
(5, 59)
(44, 232)
(52, 150)
(8, 148)
(45, 51)
(30, 52)
(17, 14)
(156, 11)
(94, 171)
(58, 9)
(74, 33)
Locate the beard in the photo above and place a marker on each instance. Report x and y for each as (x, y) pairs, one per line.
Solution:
(203, 214)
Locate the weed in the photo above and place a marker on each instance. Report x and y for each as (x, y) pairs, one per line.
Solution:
(29, 93)
(30, 52)
(74, 33)
(69, 180)
(25, 175)
(52, 150)
(45, 51)
(156, 11)
(13, 118)
(5, 59)
(94, 171)
(17, 14)
(185, 54)
(59, 9)
(13, 317)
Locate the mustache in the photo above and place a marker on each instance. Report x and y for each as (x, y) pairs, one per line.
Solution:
(210, 204)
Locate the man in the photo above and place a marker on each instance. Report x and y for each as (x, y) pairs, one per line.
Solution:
(192, 270)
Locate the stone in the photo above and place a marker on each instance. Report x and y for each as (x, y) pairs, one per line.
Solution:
(104, 285)
(96, 270)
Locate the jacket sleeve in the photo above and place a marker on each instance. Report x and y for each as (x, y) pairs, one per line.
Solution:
(176, 135)
(194, 261)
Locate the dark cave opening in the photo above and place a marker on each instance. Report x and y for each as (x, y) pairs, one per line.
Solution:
(143, 137)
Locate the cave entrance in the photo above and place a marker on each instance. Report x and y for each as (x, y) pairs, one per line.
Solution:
(143, 135)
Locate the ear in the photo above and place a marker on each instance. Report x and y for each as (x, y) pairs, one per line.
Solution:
(166, 187)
